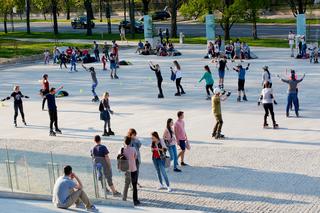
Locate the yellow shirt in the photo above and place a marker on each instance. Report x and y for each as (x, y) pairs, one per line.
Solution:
(216, 106)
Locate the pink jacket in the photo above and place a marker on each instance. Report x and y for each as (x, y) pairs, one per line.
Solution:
(167, 137)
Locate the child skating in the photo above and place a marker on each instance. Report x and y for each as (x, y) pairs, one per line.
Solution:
(17, 104)
(266, 77)
(105, 112)
(113, 66)
(157, 71)
(267, 99)
(73, 62)
(222, 63)
(45, 89)
(52, 110)
(94, 82)
(104, 62)
(216, 110)
(241, 81)
(207, 76)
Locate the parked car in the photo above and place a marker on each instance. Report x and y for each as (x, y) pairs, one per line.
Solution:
(81, 22)
(159, 15)
(138, 27)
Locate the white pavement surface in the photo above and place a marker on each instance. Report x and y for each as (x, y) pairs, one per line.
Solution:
(28, 206)
(253, 170)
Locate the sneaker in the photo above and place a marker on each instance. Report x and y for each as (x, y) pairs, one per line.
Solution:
(244, 98)
(177, 94)
(214, 134)
(52, 133)
(58, 131)
(184, 164)
(169, 189)
(275, 126)
(24, 122)
(265, 125)
(92, 209)
(208, 98)
(161, 187)
(116, 194)
(15, 124)
(183, 93)
(136, 203)
(80, 206)
(177, 170)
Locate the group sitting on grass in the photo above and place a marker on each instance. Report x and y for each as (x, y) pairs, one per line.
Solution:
(161, 49)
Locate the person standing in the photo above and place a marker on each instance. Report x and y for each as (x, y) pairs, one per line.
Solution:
(45, 89)
(56, 54)
(73, 61)
(216, 110)
(167, 35)
(266, 98)
(67, 192)
(181, 136)
(123, 34)
(222, 62)
(292, 93)
(291, 38)
(105, 112)
(158, 149)
(266, 77)
(135, 142)
(178, 74)
(96, 51)
(94, 82)
(115, 52)
(209, 81)
(171, 142)
(17, 104)
(157, 71)
(46, 57)
(160, 34)
(113, 66)
(102, 162)
(53, 113)
(241, 81)
(63, 60)
(132, 174)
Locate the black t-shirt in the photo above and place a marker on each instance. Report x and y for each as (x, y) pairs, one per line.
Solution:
(17, 96)
(148, 46)
(222, 65)
(158, 73)
(99, 151)
(51, 100)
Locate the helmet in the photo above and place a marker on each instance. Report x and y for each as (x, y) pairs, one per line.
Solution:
(216, 90)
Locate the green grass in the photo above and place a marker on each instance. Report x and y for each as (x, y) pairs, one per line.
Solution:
(49, 35)
(285, 21)
(97, 20)
(12, 48)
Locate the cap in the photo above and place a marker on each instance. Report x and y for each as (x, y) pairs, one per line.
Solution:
(216, 90)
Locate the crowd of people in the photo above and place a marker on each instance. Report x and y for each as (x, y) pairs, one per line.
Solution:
(68, 189)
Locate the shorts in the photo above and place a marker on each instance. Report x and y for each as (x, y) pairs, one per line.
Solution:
(113, 66)
(182, 144)
(241, 84)
(221, 73)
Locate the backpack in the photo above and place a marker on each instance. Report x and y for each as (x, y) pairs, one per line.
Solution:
(173, 76)
(122, 162)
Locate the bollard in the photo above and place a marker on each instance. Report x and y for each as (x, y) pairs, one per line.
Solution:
(27, 174)
(9, 170)
(95, 181)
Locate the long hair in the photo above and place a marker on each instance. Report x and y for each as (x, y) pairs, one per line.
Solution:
(207, 68)
(131, 132)
(156, 135)
(177, 65)
(169, 126)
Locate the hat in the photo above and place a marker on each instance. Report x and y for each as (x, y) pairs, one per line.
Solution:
(216, 90)
(265, 68)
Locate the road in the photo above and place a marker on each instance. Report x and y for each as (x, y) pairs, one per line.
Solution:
(238, 30)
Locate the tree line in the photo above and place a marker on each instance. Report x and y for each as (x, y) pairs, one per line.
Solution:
(230, 11)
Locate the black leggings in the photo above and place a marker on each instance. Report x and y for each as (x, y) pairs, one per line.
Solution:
(20, 108)
(159, 86)
(268, 108)
(53, 119)
(44, 93)
(209, 88)
(178, 85)
(107, 123)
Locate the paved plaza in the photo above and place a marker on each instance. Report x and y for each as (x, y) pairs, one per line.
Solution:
(252, 170)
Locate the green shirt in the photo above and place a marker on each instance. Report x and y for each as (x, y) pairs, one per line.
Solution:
(216, 105)
(208, 77)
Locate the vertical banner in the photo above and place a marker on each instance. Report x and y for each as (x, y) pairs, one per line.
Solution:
(148, 29)
(301, 25)
(210, 28)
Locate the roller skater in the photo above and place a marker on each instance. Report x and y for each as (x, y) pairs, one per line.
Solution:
(94, 82)
(105, 112)
(53, 113)
(241, 80)
(156, 69)
(17, 104)
(207, 76)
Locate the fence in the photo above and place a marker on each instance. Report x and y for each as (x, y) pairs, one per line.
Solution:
(36, 173)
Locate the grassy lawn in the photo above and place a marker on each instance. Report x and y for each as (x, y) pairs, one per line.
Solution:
(13, 48)
(49, 35)
(113, 20)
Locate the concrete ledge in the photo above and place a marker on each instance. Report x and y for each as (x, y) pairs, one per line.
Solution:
(41, 197)
(22, 59)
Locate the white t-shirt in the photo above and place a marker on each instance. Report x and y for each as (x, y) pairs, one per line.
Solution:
(267, 96)
(291, 38)
(266, 77)
(178, 73)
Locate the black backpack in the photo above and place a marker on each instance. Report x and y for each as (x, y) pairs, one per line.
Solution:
(122, 162)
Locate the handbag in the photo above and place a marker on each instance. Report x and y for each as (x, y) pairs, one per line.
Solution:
(173, 76)
(122, 162)
(167, 162)
(104, 115)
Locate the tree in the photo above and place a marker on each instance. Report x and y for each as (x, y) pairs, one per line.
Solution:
(68, 4)
(145, 6)
(108, 15)
(230, 14)
(6, 8)
(88, 7)
(43, 6)
(251, 10)
(299, 6)
(173, 11)
(54, 10)
(28, 16)
(131, 14)
(196, 8)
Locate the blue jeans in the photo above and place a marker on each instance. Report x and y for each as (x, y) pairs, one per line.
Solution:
(73, 65)
(292, 98)
(173, 155)
(94, 85)
(159, 165)
(55, 58)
